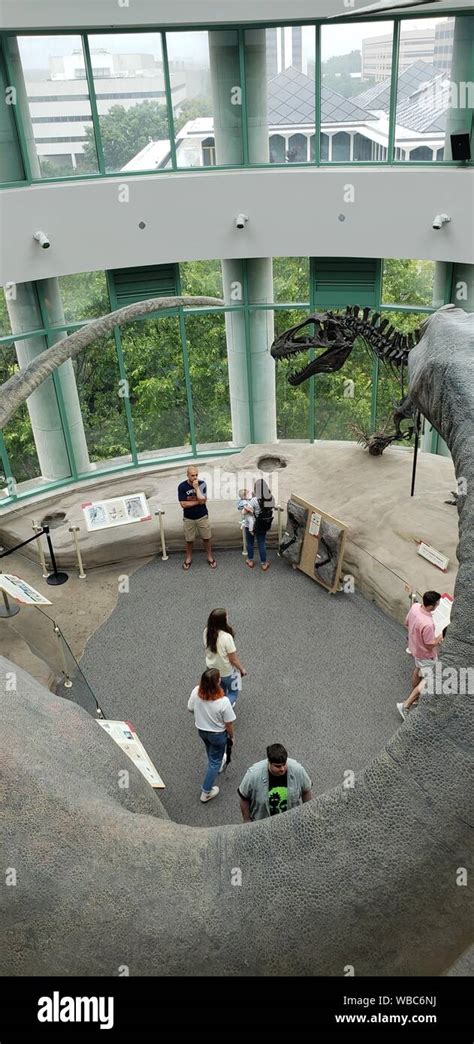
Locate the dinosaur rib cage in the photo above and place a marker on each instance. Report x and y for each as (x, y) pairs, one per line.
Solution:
(380, 335)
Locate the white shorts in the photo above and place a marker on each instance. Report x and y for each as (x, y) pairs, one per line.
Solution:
(424, 666)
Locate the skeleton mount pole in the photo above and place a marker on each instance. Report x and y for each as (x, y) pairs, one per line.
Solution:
(417, 420)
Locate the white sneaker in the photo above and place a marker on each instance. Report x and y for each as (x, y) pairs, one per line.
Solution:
(401, 710)
(223, 762)
(209, 795)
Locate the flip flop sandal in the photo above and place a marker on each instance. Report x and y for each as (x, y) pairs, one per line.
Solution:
(251, 565)
(186, 566)
(213, 564)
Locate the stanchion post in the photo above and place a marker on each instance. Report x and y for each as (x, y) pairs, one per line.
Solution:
(55, 578)
(38, 530)
(75, 530)
(67, 679)
(164, 556)
(244, 543)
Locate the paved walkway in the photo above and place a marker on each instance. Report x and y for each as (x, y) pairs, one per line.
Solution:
(325, 673)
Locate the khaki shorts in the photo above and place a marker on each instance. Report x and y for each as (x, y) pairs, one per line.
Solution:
(194, 527)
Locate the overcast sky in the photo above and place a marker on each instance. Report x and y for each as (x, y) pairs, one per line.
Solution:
(337, 39)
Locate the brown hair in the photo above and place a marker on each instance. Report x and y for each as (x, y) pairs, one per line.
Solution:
(210, 685)
(217, 621)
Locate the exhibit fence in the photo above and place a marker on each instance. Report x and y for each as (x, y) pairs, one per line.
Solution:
(41, 634)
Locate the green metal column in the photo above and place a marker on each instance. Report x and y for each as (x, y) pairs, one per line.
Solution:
(17, 79)
(11, 166)
(249, 334)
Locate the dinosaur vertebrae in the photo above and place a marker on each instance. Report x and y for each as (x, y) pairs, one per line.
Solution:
(394, 347)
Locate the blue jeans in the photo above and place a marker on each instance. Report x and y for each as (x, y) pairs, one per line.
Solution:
(215, 744)
(226, 685)
(262, 548)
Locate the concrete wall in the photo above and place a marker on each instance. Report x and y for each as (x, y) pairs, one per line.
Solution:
(67, 13)
(191, 217)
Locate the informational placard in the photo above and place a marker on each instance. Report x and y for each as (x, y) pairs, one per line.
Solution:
(126, 738)
(314, 524)
(434, 556)
(120, 511)
(21, 590)
(442, 613)
(314, 542)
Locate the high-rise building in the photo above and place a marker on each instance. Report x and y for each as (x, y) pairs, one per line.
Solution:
(415, 45)
(443, 49)
(284, 48)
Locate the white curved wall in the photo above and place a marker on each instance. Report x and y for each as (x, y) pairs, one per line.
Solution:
(69, 14)
(191, 217)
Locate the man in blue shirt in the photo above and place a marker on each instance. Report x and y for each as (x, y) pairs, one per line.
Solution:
(192, 495)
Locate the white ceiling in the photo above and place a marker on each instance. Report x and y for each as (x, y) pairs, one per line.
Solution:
(57, 14)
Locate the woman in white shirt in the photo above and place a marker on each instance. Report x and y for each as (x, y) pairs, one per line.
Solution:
(213, 718)
(221, 652)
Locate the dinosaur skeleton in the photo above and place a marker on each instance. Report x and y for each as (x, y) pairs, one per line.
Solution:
(337, 335)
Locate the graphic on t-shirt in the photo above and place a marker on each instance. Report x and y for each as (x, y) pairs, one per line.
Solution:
(277, 794)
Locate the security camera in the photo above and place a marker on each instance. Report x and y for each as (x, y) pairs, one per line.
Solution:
(440, 220)
(241, 220)
(42, 239)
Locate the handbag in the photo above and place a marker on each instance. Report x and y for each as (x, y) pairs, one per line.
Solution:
(236, 683)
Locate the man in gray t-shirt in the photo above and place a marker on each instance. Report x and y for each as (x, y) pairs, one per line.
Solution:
(273, 786)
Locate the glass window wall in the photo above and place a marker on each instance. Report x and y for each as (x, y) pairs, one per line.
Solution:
(54, 104)
(155, 371)
(292, 403)
(208, 123)
(102, 396)
(356, 69)
(208, 371)
(280, 86)
(130, 88)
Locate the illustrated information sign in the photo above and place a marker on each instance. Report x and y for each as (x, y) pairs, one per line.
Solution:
(434, 556)
(126, 738)
(21, 590)
(104, 514)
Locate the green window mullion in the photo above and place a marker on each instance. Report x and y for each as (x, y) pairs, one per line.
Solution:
(126, 398)
(64, 423)
(393, 91)
(7, 467)
(169, 101)
(243, 88)
(122, 370)
(248, 353)
(93, 105)
(449, 284)
(50, 341)
(312, 380)
(374, 392)
(17, 115)
(317, 100)
(187, 380)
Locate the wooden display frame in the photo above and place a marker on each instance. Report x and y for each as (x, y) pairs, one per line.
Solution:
(310, 542)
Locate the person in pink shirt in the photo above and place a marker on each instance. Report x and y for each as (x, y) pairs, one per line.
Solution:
(422, 643)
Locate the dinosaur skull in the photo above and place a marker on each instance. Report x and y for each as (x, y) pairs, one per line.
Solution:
(325, 331)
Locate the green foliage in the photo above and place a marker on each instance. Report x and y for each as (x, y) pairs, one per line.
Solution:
(407, 282)
(84, 296)
(124, 132)
(291, 279)
(192, 109)
(336, 74)
(155, 370)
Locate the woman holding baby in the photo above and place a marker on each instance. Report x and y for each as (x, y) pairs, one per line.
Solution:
(257, 512)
